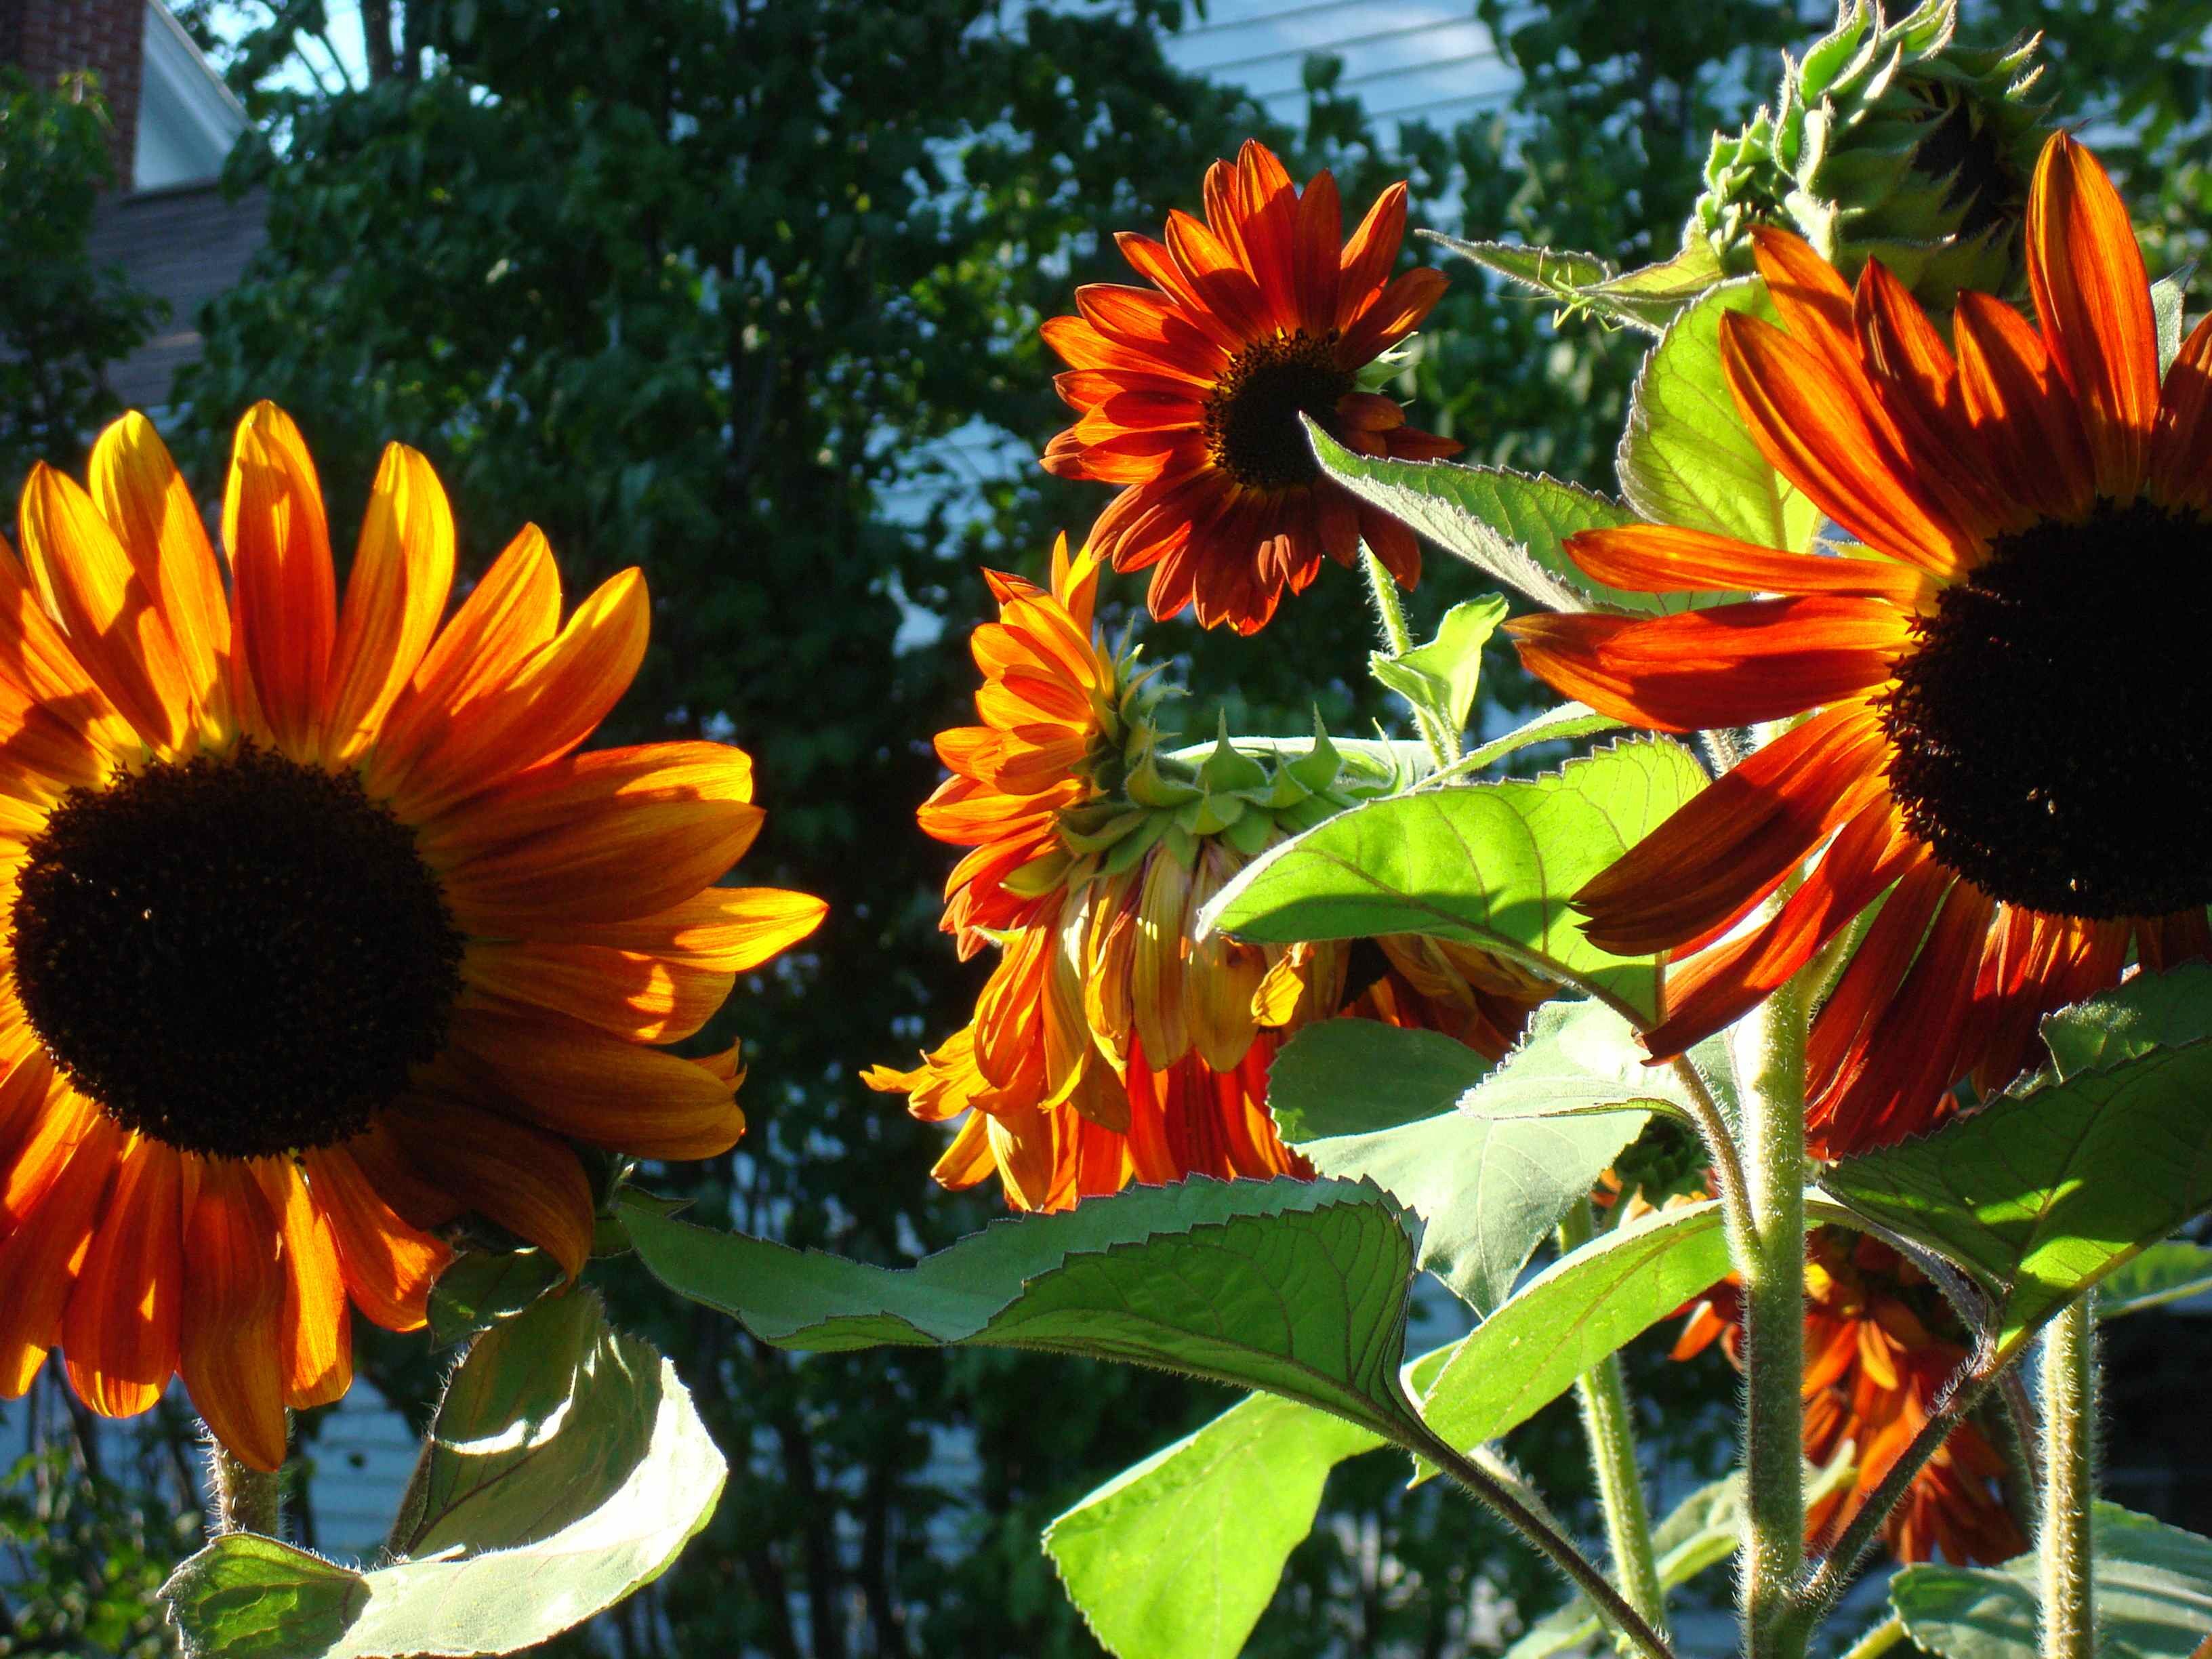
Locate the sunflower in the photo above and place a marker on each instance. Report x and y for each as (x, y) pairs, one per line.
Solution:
(1879, 1344)
(1109, 1042)
(2006, 716)
(1190, 391)
(320, 935)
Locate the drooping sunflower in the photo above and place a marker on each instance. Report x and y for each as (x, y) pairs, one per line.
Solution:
(1190, 391)
(1109, 1043)
(320, 932)
(2006, 711)
(1879, 1344)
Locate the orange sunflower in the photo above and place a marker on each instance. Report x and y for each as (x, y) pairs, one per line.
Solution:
(320, 933)
(1190, 391)
(1879, 1344)
(2005, 715)
(1109, 1044)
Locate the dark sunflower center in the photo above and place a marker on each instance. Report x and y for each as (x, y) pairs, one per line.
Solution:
(1959, 145)
(2053, 730)
(1252, 429)
(238, 956)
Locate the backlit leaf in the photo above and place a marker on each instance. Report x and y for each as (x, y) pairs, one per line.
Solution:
(565, 1467)
(1492, 864)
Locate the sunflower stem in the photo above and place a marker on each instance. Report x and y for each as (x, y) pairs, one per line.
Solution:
(1390, 611)
(247, 1499)
(1771, 1065)
(1609, 1426)
(1539, 1530)
(2069, 1379)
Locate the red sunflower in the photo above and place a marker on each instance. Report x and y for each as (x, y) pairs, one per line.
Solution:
(2007, 727)
(1190, 391)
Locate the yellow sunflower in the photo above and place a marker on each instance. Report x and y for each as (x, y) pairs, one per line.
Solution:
(320, 933)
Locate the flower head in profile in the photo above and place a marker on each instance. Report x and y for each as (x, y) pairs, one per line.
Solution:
(1190, 391)
(1879, 1344)
(320, 933)
(1112, 1042)
(2007, 730)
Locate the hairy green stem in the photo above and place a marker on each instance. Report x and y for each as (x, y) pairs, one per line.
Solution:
(247, 1499)
(2069, 1378)
(1771, 1070)
(1390, 611)
(1538, 1529)
(1609, 1426)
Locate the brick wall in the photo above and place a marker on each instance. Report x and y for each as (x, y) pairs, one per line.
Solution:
(49, 38)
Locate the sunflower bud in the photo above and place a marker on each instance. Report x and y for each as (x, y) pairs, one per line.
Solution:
(1889, 141)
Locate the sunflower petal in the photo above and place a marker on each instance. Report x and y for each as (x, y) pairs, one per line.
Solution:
(142, 495)
(120, 1332)
(41, 1257)
(388, 1265)
(232, 1350)
(88, 586)
(2093, 295)
(286, 603)
(402, 573)
(601, 837)
(316, 1327)
(582, 1082)
(527, 1181)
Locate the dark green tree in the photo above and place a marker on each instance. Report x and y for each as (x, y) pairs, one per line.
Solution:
(63, 321)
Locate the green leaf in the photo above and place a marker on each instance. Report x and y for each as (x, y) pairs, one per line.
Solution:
(1687, 457)
(1507, 524)
(2172, 1272)
(1648, 298)
(2045, 1191)
(1325, 1082)
(1296, 1287)
(2154, 1596)
(2165, 295)
(1491, 1175)
(1496, 864)
(1570, 1316)
(482, 1287)
(1439, 679)
(2150, 1011)
(565, 1467)
(1182, 1554)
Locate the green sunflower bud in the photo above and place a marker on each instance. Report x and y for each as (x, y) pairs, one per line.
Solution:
(1889, 141)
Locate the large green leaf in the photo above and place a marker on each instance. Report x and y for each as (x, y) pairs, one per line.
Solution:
(1295, 1287)
(1182, 1554)
(2154, 1596)
(1439, 680)
(565, 1467)
(2052, 1187)
(1325, 1081)
(1509, 526)
(2151, 1010)
(1578, 1311)
(1491, 1167)
(1492, 864)
(1687, 457)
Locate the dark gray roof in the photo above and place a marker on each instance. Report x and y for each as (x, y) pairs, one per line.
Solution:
(186, 245)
